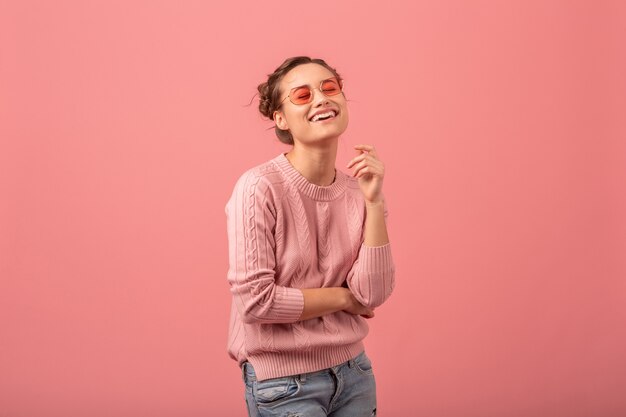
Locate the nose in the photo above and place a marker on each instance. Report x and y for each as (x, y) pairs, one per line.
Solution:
(319, 97)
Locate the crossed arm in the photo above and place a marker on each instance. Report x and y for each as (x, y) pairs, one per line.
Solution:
(259, 299)
(321, 301)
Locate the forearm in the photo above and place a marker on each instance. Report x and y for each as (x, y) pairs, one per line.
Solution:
(321, 301)
(372, 278)
(375, 233)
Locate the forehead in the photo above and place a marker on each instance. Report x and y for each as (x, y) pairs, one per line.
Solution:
(305, 74)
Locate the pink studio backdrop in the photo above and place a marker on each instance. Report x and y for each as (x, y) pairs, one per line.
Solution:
(124, 126)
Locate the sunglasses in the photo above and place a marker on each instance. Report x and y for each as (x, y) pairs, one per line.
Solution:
(304, 94)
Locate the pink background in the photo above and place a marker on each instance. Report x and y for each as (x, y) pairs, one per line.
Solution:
(123, 127)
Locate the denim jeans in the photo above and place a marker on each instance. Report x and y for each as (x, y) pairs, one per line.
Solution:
(345, 390)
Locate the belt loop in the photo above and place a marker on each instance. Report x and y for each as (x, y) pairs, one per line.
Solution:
(302, 377)
(243, 371)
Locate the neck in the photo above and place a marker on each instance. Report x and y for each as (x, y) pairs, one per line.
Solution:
(316, 164)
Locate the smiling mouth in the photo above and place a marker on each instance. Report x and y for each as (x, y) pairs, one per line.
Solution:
(324, 117)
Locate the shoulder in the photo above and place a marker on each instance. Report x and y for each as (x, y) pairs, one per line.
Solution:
(259, 183)
(264, 175)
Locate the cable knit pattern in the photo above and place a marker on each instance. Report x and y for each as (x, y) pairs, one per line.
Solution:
(355, 222)
(302, 232)
(285, 233)
(323, 240)
(300, 334)
(323, 254)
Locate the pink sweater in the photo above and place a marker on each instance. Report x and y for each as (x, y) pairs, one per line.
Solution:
(285, 233)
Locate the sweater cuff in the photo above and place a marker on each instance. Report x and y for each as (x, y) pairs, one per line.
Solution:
(376, 258)
(289, 304)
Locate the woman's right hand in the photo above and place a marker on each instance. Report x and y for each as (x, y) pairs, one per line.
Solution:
(356, 308)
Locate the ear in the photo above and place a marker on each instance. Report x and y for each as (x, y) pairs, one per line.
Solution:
(280, 120)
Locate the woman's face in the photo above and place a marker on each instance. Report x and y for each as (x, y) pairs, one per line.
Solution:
(297, 118)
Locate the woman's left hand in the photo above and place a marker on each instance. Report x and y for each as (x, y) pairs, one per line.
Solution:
(370, 171)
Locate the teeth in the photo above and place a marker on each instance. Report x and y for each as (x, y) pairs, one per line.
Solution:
(317, 116)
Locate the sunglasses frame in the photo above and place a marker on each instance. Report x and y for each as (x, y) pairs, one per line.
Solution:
(340, 81)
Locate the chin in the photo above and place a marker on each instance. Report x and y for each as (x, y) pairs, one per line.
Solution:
(330, 133)
(316, 133)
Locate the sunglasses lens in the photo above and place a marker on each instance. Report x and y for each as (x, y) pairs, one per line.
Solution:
(331, 87)
(302, 95)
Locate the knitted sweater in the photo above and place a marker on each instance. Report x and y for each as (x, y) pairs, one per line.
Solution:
(285, 233)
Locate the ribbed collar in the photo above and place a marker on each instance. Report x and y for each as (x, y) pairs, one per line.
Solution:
(316, 192)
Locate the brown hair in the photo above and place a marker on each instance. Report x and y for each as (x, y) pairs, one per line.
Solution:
(269, 91)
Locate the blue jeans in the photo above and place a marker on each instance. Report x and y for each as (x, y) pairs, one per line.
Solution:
(345, 390)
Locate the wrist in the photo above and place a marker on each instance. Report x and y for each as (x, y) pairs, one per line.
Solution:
(379, 200)
(376, 203)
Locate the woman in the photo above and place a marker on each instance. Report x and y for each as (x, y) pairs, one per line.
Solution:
(309, 256)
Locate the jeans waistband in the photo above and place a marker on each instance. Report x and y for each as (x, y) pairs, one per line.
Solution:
(302, 377)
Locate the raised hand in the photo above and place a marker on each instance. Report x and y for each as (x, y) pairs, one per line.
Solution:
(370, 171)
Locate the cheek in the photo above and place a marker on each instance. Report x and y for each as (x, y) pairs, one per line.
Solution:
(295, 120)
(303, 121)
(297, 117)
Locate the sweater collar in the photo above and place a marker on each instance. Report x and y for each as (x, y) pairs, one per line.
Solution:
(315, 192)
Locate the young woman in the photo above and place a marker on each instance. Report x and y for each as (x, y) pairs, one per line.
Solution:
(309, 256)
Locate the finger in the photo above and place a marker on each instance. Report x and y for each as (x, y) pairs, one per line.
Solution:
(368, 315)
(363, 171)
(368, 148)
(369, 168)
(364, 157)
(356, 159)
(359, 167)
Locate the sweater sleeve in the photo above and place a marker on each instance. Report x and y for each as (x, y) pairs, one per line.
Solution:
(372, 276)
(251, 218)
